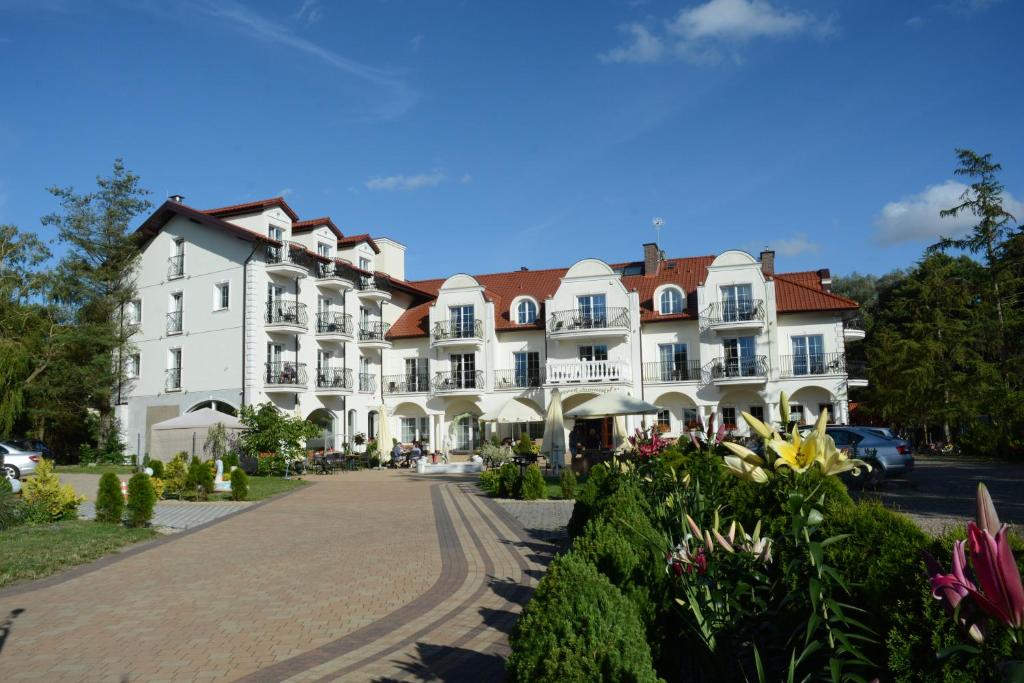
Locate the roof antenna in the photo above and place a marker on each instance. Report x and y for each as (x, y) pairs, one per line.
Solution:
(657, 223)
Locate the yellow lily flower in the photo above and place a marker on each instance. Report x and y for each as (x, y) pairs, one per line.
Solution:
(833, 461)
(761, 428)
(744, 453)
(744, 470)
(797, 454)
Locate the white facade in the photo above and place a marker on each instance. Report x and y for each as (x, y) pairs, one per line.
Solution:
(311, 332)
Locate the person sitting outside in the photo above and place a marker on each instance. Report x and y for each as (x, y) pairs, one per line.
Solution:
(417, 452)
(396, 455)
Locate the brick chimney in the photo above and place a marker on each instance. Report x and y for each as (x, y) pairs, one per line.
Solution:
(825, 277)
(768, 262)
(179, 198)
(652, 259)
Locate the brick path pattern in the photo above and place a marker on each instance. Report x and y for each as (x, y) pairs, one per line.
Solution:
(368, 576)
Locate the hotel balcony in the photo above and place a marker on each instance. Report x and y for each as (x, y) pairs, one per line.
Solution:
(728, 371)
(367, 383)
(284, 377)
(281, 260)
(517, 380)
(812, 365)
(328, 277)
(334, 327)
(603, 322)
(374, 335)
(588, 372)
(853, 329)
(415, 383)
(458, 382)
(660, 372)
(333, 381)
(174, 322)
(368, 289)
(176, 267)
(286, 316)
(457, 333)
(856, 373)
(729, 316)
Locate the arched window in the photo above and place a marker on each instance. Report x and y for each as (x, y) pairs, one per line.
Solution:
(526, 312)
(671, 301)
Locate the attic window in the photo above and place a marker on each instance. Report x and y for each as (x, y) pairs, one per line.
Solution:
(635, 269)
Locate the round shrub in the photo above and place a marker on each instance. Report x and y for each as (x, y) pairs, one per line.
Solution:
(489, 481)
(599, 483)
(141, 500)
(199, 482)
(534, 487)
(175, 476)
(239, 484)
(158, 468)
(47, 498)
(579, 627)
(509, 481)
(109, 499)
(567, 482)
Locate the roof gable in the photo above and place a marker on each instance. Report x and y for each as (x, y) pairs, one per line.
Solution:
(253, 207)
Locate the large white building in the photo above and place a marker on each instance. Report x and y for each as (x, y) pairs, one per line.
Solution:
(245, 304)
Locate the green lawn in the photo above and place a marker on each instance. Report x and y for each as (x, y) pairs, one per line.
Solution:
(34, 551)
(98, 469)
(265, 487)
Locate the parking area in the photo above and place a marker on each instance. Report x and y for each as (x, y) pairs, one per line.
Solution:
(941, 490)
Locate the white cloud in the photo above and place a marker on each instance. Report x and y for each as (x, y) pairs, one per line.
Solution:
(795, 245)
(416, 42)
(400, 96)
(466, 178)
(968, 6)
(916, 217)
(646, 47)
(406, 182)
(705, 33)
(915, 22)
(285, 192)
(309, 12)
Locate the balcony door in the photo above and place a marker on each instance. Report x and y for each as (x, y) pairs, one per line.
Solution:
(673, 362)
(464, 370)
(593, 352)
(416, 374)
(737, 302)
(739, 357)
(462, 321)
(809, 355)
(275, 293)
(527, 368)
(592, 310)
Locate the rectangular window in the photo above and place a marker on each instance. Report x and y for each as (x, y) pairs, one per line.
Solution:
(175, 313)
(594, 352)
(364, 263)
(758, 412)
(133, 312)
(134, 365)
(174, 369)
(690, 418)
(323, 249)
(463, 370)
(740, 360)
(664, 420)
(591, 309)
(416, 373)
(674, 367)
(222, 296)
(796, 413)
(809, 355)
(461, 322)
(527, 368)
(737, 303)
(831, 411)
(415, 429)
(534, 430)
(729, 417)
(176, 267)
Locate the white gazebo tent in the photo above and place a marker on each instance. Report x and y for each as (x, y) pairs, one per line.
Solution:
(556, 437)
(181, 433)
(616, 405)
(513, 411)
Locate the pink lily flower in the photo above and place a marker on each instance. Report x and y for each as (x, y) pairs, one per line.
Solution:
(1002, 592)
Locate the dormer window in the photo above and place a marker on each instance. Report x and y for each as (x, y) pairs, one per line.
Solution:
(364, 263)
(323, 249)
(526, 312)
(671, 301)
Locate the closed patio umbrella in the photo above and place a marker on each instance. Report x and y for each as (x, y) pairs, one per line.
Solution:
(619, 433)
(556, 437)
(611, 404)
(383, 435)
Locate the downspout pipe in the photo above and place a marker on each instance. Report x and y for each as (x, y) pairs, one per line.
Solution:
(245, 308)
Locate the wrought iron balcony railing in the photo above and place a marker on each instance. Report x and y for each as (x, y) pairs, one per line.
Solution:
(286, 253)
(367, 383)
(281, 312)
(176, 266)
(173, 380)
(854, 323)
(525, 378)
(458, 380)
(593, 319)
(367, 283)
(373, 331)
(812, 364)
(174, 322)
(414, 383)
(672, 371)
(333, 323)
(333, 378)
(735, 368)
(725, 312)
(284, 374)
(856, 369)
(457, 329)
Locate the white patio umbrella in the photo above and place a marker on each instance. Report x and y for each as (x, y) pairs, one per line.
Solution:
(383, 435)
(515, 410)
(556, 436)
(619, 433)
(612, 404)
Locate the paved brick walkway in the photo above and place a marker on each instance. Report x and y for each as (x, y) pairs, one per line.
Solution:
(369, 576)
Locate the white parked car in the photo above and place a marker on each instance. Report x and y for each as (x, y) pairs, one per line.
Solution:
(18, 462)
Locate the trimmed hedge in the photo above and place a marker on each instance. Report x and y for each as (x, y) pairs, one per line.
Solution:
(533, 486)
(567, 482)
(109, 499)
(141, 500)
(509, 481)
(579, 627)
(239, 484)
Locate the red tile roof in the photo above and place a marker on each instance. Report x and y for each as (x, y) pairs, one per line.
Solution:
(794, 292)
(252, 207)
(356, 239)
(313, 223)
(166, 211)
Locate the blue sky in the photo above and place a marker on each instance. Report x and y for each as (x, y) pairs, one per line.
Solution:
(488, 136)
